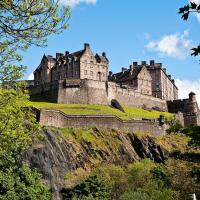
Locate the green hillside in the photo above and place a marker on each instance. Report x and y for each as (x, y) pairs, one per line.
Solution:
(89, 109)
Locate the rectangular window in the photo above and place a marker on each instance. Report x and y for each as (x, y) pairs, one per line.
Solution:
(85, 72)
(91, 73)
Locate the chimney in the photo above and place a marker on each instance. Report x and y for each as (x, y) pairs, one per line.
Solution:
(152, 62)
(173, 81)
(110, 73)
(86, 46)
(104, 54)
(66, 53)
(135, 64)
(144, 63)
(123, 69)
(169, 77)
(164, 69)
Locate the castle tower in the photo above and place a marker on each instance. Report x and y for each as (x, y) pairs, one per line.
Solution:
(193, 102)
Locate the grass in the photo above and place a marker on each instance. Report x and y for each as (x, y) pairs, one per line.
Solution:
(174, 141)
(91, 109)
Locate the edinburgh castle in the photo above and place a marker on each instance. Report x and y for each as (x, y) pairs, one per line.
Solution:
(84, 78)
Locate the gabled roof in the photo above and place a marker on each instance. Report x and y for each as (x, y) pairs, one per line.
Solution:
(102, 58)
(126, 75)
(49, 58)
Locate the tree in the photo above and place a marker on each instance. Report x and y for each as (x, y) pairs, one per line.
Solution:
(22, 23)
(185, 11)
(18, 131)
(26, 23)
(152, 190)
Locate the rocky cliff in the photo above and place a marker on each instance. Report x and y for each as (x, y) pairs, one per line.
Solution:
(63, 151)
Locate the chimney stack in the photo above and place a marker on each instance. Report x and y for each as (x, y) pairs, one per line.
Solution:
(66, 53)
(86, 46)
(135, 64)
(152, 62)
(104, 54)
(144, 63)
(110, 73)
(123, 69)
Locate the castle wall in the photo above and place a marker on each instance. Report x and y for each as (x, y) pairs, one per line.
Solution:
(95, 92)
(82, 92)
(129, 97)
(102, 122)
(48, 91)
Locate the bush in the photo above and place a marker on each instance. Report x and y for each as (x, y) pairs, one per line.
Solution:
(22, 183)
(95, 187)
(152, 190)
(194, 133)
(174, 125)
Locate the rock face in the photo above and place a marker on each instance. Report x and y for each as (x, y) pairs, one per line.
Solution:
(56, 155)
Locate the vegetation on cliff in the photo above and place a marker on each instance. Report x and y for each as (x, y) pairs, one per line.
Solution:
(138, 181)
(102, 177)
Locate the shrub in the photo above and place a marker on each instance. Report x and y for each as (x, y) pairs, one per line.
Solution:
(95, 187)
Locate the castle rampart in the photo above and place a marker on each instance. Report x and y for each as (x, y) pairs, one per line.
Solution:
(102, 122)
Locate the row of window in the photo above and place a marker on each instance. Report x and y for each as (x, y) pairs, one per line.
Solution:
(91, 73)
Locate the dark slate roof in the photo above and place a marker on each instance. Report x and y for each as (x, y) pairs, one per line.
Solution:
(51, 58)
(127, 75)
(76, 54)
(192, 93)
(100, 58)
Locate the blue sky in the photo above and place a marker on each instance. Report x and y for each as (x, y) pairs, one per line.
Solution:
(131, 30)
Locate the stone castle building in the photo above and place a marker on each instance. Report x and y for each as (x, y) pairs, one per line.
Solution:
(82, 77)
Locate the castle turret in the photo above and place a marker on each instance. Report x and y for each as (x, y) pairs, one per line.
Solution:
(192, 97)
(193, 102)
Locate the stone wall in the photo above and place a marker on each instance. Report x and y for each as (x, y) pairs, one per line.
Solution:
(102, 122)
(82, 92)
(95, 92)
(48, 91)
(129, 97)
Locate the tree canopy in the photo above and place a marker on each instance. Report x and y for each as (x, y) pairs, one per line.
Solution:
(26, 23)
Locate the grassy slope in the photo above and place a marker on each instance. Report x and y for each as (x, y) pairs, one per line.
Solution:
(89, 109)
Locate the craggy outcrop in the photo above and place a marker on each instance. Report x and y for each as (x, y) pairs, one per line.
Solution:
(56, 155)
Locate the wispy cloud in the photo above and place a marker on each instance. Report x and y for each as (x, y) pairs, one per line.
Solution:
(30, 76)
(175, 45)
(73, 3)
(196, 14)
(186, 86)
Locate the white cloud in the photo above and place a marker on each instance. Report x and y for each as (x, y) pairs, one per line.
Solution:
(31, 77)
(196, 14)
(175, 45)
(186, 86)
(73, 3)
